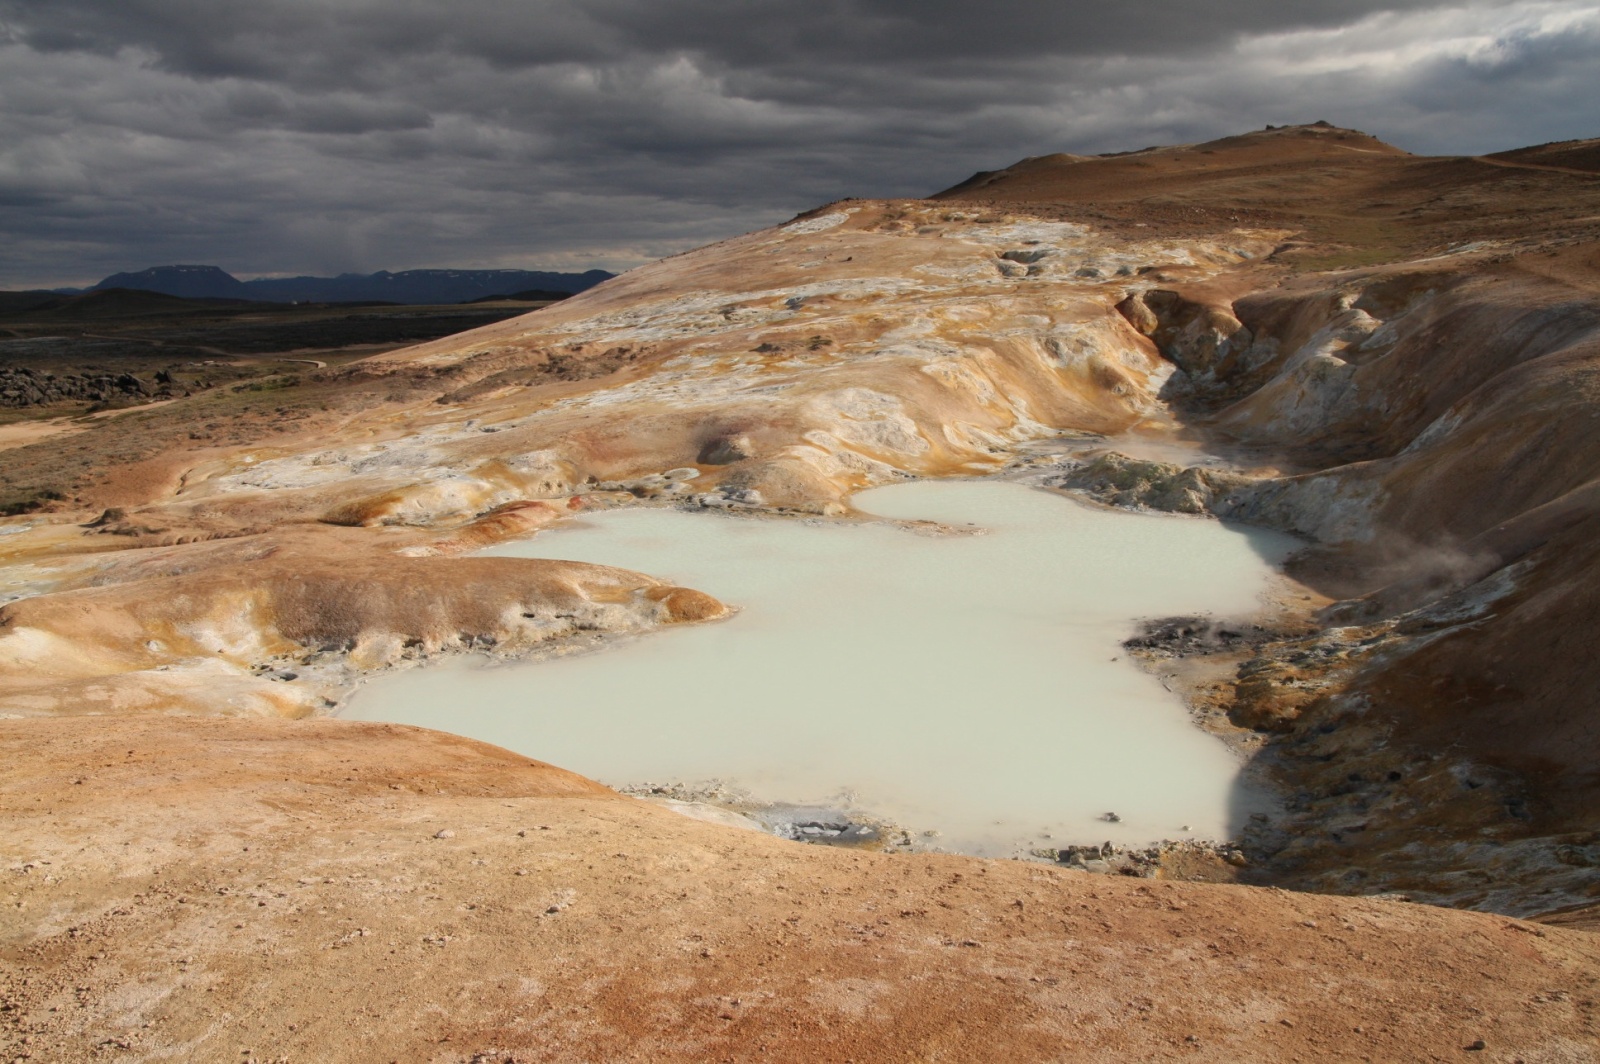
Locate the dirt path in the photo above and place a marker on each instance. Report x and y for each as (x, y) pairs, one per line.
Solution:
(220, 353)
(1511, 165)
(159, 343)
(23, 433)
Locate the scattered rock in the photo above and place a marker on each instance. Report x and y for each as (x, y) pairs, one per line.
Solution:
(727, 450)
(25, 387)
(1132, 483)
(730, 499)
(1182, 636)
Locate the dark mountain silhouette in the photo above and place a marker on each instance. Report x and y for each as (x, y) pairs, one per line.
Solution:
(32, 299)
(189, 282)
(410, 286)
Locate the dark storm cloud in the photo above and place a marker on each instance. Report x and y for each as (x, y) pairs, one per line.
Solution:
(282, 38)
(295, 135)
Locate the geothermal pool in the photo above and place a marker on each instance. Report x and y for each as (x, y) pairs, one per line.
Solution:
(969, 685)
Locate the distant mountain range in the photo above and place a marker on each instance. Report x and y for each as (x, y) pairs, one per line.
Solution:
(408, 286)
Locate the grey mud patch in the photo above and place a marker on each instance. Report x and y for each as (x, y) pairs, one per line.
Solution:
(841, 824)
(836, 823)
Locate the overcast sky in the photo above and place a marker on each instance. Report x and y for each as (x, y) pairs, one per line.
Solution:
(319, 136)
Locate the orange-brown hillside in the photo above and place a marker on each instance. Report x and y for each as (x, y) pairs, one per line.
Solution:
(1352, 199)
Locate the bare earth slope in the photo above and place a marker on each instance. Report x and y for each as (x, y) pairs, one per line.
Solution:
(1394, 357)
(381, 893)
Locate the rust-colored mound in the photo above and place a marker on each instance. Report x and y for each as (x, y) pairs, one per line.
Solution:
(243, 617)
(380, 893)
(1196, 169)
(1352, 199)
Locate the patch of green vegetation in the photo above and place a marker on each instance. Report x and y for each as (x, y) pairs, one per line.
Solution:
(1348, 259)
(27, 500)
(1343, 242)
(269, 384)
(16, 415)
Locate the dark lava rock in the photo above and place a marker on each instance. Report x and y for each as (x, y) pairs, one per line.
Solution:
(1181, 636)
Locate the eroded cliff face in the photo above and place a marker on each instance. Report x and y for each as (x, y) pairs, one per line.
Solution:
(1424, 414)
(1440, 421)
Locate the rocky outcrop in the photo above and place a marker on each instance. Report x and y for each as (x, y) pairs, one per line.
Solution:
(25, 387)
(1216, 354)
(1117, 480)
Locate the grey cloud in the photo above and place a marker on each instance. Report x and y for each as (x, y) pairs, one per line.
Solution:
(215, 39)
(295, 135)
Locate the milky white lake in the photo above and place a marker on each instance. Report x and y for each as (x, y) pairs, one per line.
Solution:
(971, 685)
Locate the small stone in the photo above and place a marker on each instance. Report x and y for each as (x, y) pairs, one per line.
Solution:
(445, 834)
(727, 450)
(1111, 818)
(1474, 1047)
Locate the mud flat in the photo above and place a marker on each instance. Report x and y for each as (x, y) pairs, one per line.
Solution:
(955, 669)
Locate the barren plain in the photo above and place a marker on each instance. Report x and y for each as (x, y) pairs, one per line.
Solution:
(1395, 358)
